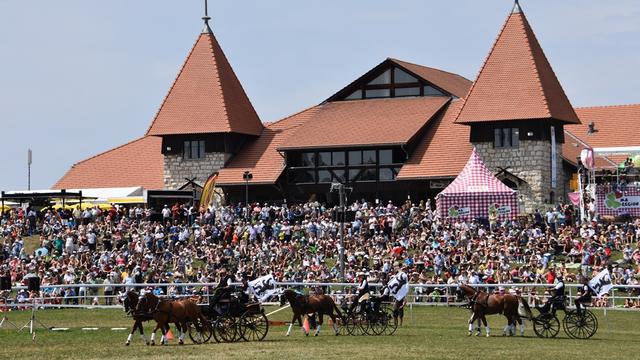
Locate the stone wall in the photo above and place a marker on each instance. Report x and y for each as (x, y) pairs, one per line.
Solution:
(531, 162)
(176, 169)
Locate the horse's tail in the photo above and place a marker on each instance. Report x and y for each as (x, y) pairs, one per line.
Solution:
(524, 310)
(337, 310)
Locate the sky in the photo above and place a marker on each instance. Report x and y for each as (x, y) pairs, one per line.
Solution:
(78, 77)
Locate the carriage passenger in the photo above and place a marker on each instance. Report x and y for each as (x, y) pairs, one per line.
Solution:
(557, 300)
(223, 289)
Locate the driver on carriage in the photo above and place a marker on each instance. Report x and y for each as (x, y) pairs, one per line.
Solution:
(557, 300)
(363, 290)
(585, 295)
(223, 289)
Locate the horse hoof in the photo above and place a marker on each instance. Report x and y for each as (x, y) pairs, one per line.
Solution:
(306, 334)
(181, 343)
(469, 334)
(153, 343)
(488, 335)
(147, 344)
(126, 344)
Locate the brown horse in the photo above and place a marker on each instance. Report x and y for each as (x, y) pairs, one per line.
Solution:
(483, 304)
(320, 304)
(164, 312)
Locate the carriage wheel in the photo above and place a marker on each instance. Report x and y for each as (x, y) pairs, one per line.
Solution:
(378, 323)
(580, 326)
(546, 326)
(392, 324)
(341, 323)
(200, 333)
(357, 324)
(225, 329)
(253, 327)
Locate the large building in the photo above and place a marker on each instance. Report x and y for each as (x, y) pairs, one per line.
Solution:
(400, 130)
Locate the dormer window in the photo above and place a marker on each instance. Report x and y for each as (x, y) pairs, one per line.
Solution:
(392, 82)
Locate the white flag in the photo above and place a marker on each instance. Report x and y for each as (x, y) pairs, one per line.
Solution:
(601, 283)
(399, 286)
(264, 287)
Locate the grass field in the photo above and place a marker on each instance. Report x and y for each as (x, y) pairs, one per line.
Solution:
(438, 333)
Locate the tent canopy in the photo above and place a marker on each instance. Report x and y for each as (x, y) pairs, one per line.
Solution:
(475, 193)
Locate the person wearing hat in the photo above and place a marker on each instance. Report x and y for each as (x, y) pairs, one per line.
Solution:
(557, 300)
(223, 289)
(586, 293)
(363, 290)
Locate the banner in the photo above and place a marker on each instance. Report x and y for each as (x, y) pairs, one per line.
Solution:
(615, 203)
(499, 210)
(456, 211)
(601, 283)
(264, 287)
(399, 286)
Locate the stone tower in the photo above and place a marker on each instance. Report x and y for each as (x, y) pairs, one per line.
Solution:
(516, 110)
(205, 118)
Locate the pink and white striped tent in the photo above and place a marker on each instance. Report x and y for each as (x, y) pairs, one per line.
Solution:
(476, 192)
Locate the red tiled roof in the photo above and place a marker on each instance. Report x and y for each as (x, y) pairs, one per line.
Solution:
(261, 156)
(516, 81)
(617, 125)
(443, 150)
(137, 163)
(206, 97)
(452, 83)
(365, 122)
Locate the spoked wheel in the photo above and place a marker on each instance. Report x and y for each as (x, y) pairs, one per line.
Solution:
(253, 327)
(392, 323)
(378, 323)
(200, 333)
(546, 326)
(580, 326)
(357, 324)
(341, 322)
(225, 329)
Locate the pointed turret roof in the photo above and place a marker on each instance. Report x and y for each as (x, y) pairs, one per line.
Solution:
(206, 96)
(516, 81)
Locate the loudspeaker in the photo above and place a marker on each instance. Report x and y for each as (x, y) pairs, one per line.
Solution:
(5, 283)
(33, 284)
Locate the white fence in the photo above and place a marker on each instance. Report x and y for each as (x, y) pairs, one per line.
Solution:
(95, 295)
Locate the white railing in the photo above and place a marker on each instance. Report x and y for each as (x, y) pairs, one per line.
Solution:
(52, 296)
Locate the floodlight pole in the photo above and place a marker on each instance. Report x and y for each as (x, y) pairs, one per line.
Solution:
(247, 176)
(343, 208)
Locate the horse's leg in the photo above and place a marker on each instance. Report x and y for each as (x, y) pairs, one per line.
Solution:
(471, 320)
(182, 327)
(334, 325)
(486, 326)
(521, 326)
(153, 334)
(135, 326)
(319, 325)
(508, 327)
(144, 337)
(291, 325)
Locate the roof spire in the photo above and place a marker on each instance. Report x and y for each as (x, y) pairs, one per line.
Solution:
(516, 7)
(206, 18)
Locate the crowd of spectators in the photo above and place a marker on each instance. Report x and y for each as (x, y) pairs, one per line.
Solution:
(120, 245)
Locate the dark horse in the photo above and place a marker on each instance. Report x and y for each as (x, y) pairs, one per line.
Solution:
(320, 304)
(130, 302)
(484, 304)
(164, 312)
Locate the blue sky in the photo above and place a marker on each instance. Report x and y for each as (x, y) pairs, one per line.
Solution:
(78, 77)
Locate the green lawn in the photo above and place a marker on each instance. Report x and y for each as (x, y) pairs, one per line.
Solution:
(439, 333)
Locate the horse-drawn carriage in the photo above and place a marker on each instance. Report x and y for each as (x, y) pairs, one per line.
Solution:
(372, 317)
(232, 319)
(577, 325)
